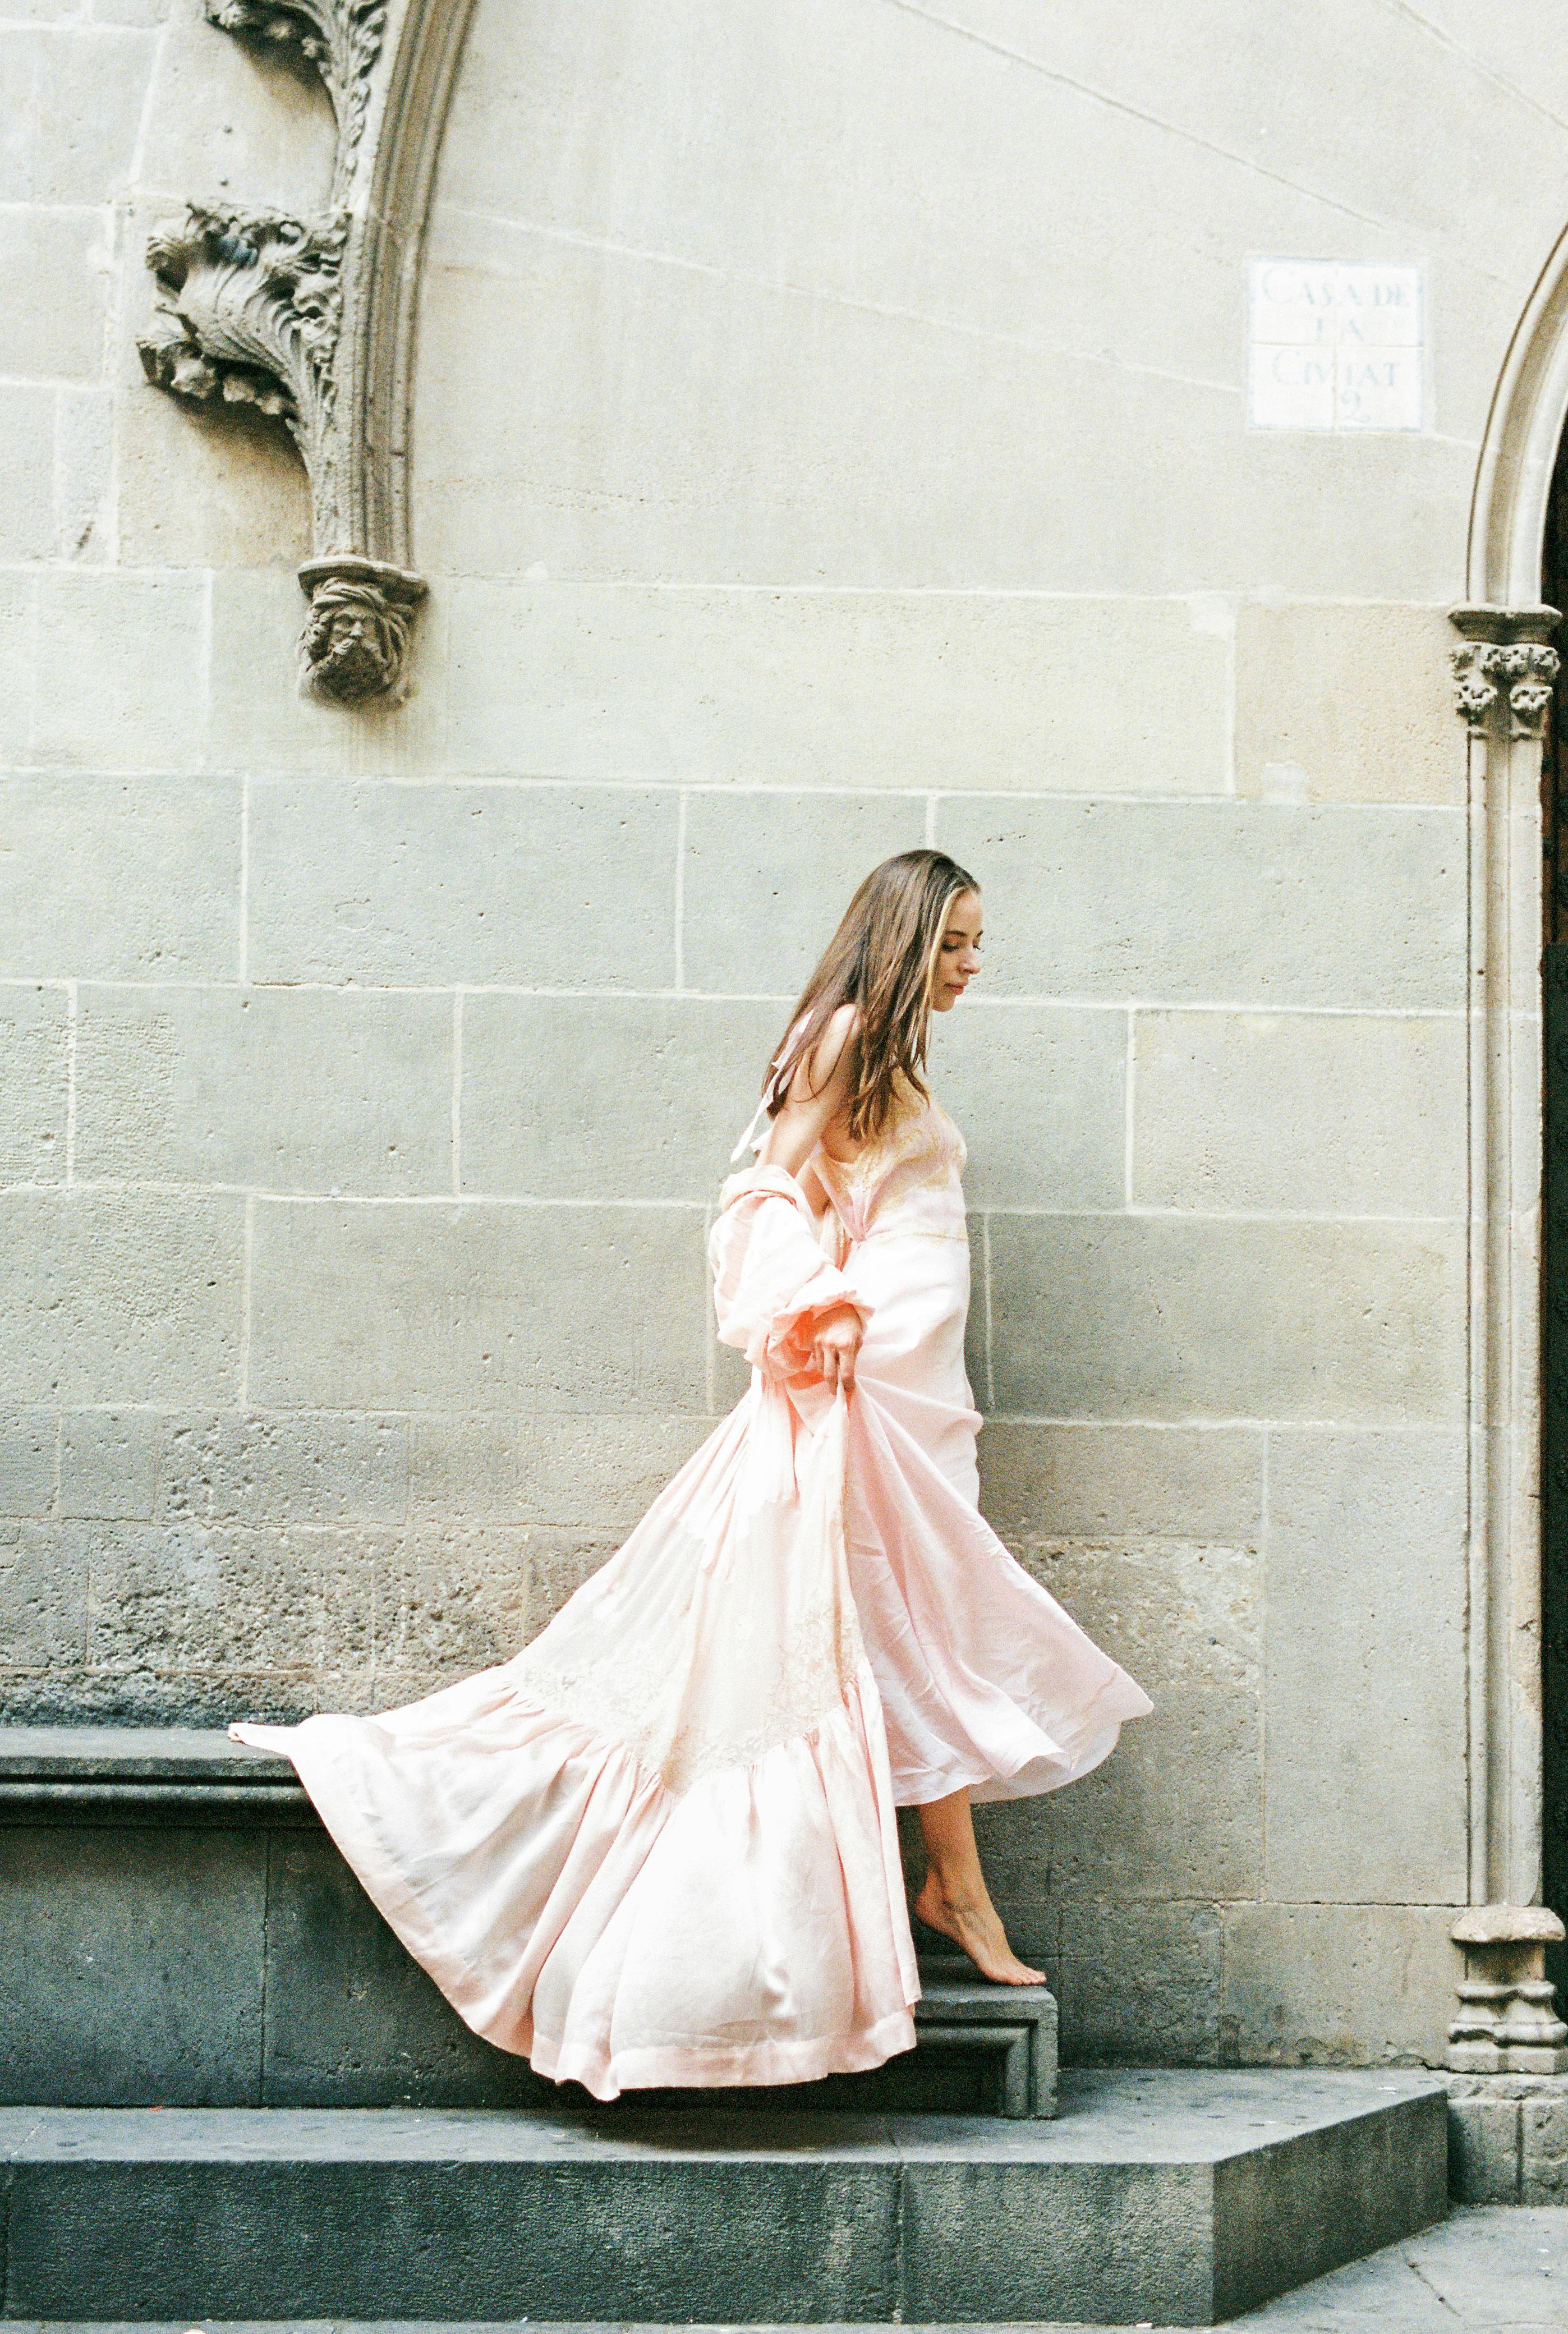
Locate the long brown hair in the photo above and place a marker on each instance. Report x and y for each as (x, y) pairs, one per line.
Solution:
(880, 960)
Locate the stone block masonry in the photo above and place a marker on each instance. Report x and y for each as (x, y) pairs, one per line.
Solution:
(442, 1139)
(788, 495)
(1508, 2139)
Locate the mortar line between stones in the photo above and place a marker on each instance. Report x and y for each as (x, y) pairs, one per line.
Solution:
(267, 1853)
(113, 237)
(1168, 127)
(990, 1355)
(173, 1188)
(6, 2176)
(1127, 1108)
(69, 1083)
(57, 468)
(18, 208)
(1232, 1422)
(1264, 1536)
(117, 237)
(1321, 812)
(205, 628)
(710, 1339)
(242, 935)
(133, 177)
(1024, 1001)
(33, 621)
(245, 1299)
(784, 288)
(779, 587)
(1456, 50)
(680, 892)
(457, 1093)
(1230, 778)
(63, 384)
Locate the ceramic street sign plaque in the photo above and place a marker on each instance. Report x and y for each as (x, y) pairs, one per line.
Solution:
(1334, 345)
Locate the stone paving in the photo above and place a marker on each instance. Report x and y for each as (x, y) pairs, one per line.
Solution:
(1494, 2270)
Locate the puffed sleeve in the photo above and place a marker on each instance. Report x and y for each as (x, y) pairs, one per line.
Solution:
(772, 1279)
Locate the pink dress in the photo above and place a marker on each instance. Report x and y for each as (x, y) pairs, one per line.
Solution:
(658, 1845)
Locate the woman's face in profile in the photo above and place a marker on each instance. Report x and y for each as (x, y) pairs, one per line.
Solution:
(957, 953)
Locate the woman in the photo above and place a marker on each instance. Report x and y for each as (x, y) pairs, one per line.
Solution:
(658, 1846)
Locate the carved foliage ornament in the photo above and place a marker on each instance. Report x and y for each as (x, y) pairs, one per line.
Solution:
(1505, 669)
(342, 42)
(1482, 672)
(307, 319)
(251, 313)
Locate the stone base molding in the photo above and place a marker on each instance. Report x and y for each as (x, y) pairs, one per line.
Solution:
(1507, 2022)
(1509, 2139)
(310, 319)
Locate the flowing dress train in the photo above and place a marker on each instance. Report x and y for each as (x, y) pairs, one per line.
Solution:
(658, 1845)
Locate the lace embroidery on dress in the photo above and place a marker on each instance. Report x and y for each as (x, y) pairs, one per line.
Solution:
(910, 1179)
(683, 1719)
(628, 1700)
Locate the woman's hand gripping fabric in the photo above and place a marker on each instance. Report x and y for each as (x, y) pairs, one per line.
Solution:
(778, 1298)
(834, 1344)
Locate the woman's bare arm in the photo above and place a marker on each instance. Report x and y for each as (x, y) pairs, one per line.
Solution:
(818, 1091)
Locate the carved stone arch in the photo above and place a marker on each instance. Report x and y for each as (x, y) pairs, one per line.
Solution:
(1519, 449)
(313, 318)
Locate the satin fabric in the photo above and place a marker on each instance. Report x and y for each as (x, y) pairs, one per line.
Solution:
(658, 1845)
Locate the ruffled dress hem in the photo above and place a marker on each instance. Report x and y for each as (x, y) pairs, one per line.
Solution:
(316, 1750)
(683, 2066)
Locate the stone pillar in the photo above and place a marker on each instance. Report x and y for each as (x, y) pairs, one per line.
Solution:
(1503, 670)
(1507, 2048)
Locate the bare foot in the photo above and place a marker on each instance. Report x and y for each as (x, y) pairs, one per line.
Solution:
(976, 1925)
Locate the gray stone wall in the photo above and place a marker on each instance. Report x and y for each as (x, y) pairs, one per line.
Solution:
(831, 435)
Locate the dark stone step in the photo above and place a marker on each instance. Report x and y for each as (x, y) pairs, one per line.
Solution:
(1176, 2198)
(176, 1929)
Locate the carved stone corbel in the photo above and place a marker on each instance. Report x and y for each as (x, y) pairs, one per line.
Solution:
(310, 320)
(1505, 668)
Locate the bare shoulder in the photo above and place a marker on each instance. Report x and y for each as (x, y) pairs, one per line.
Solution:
(831, 1057)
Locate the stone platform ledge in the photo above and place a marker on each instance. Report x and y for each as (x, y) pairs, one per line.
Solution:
(1178, 2198)
(246, 1967)
(156, 1774)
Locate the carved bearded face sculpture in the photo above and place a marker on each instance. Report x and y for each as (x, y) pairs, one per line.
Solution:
(353, 643)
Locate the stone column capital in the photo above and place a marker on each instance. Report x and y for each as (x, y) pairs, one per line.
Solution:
(1505, 668)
